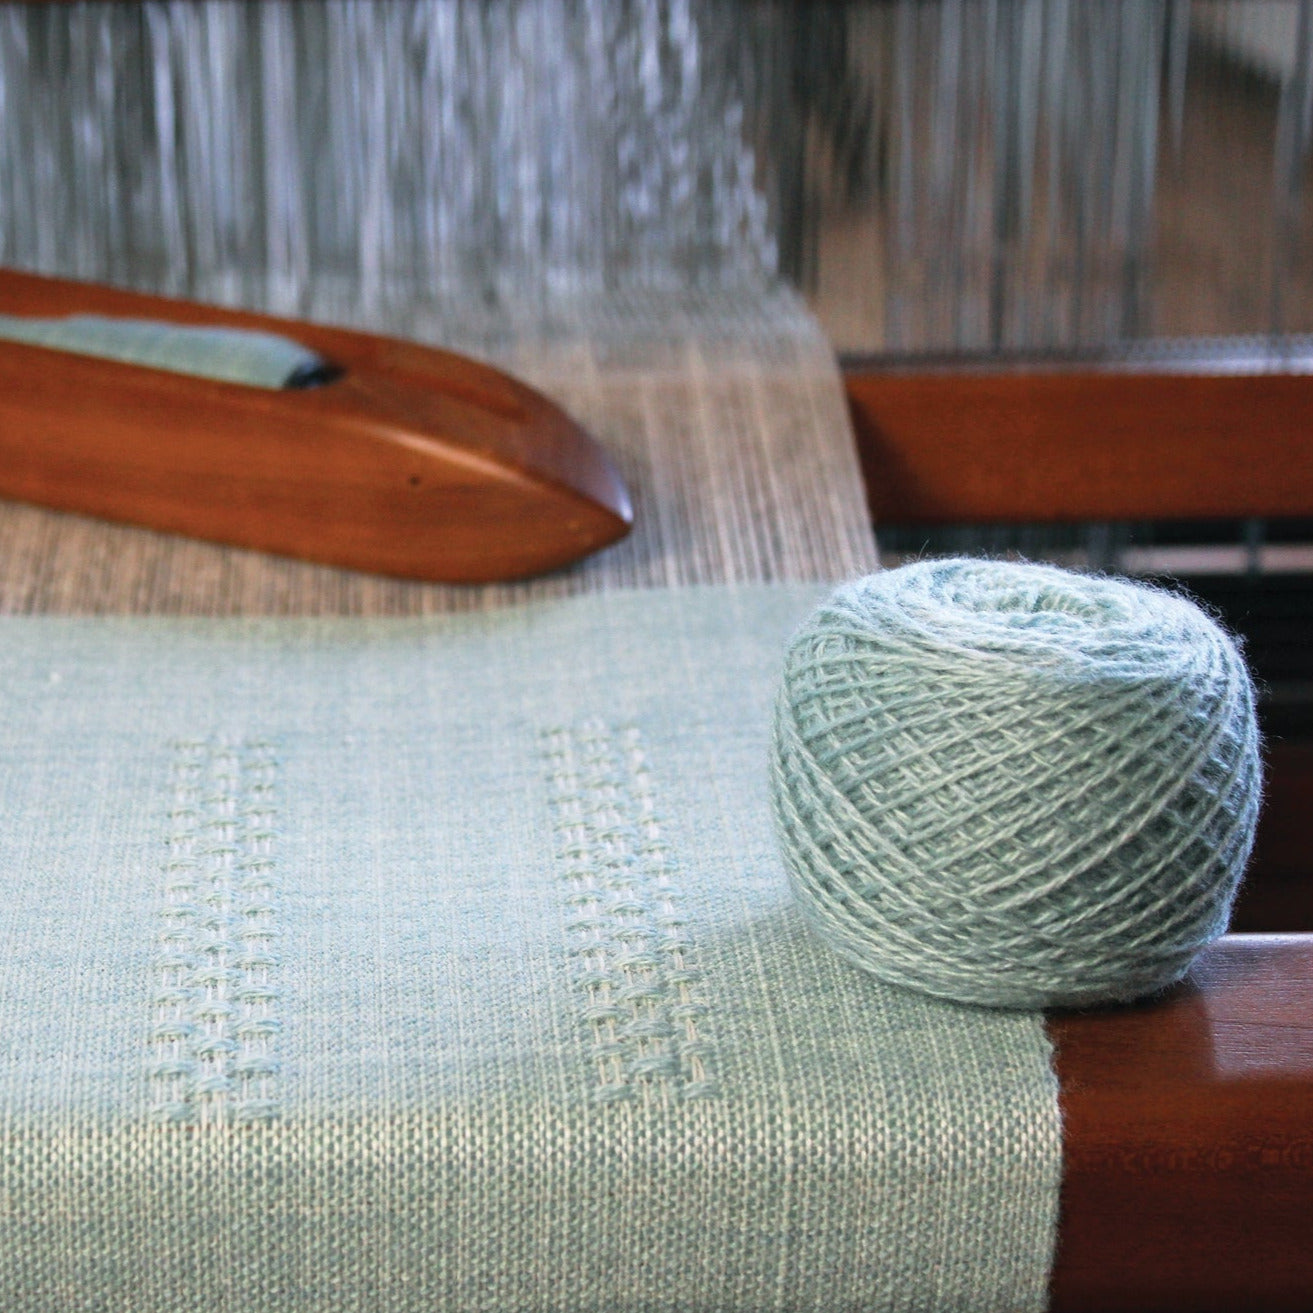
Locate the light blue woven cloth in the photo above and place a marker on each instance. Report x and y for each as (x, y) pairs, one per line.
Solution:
(450, 964)
(231, 355)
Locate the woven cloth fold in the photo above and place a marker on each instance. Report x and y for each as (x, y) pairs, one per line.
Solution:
(449, 963)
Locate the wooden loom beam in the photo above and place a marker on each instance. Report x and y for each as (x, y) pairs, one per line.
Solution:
(1209, 437)
(1188, 1140)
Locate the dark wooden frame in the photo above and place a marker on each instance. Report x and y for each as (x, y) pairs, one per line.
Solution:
(1187, 1120)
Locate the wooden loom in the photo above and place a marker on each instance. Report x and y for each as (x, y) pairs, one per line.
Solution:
(1188, 1122)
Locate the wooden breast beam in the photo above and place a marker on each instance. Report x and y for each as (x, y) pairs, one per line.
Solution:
(1188, 1121)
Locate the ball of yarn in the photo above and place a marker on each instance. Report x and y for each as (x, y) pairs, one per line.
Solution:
(1013, 785)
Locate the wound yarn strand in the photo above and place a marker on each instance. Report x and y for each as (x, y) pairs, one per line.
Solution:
(1014, 785)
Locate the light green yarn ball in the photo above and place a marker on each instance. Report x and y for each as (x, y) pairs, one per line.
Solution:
(1014, 785)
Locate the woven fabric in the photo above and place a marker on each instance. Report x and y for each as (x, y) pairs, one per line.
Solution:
(724, 414)
(449, 963)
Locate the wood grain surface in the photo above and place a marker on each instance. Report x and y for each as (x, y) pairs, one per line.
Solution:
(1188, 1140)
(1082, 444)
(414, 462)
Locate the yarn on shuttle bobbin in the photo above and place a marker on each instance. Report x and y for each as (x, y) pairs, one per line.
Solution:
(1013, 785)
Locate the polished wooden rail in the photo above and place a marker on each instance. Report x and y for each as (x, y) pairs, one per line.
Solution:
(1188, 1120)
(1183, 435)
(1188, 1140)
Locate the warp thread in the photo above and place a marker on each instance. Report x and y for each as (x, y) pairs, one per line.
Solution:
(1009, 784)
